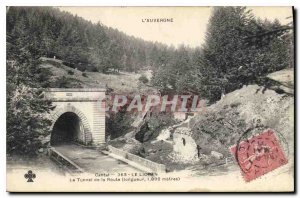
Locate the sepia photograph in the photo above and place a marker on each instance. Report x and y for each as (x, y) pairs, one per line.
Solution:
(150, 99)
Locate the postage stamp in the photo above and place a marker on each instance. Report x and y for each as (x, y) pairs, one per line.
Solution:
(259, 155)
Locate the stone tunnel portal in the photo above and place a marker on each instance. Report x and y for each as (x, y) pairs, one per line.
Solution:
(68, 128)
(76, 116)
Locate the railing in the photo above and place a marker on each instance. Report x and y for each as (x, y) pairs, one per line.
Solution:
(139, 160)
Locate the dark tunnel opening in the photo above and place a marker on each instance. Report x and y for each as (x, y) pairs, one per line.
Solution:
(66, 129)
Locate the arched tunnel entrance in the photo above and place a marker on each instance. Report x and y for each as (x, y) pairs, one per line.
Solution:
(68, 128)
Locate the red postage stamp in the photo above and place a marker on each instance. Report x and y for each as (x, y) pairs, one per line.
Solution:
(259, 155)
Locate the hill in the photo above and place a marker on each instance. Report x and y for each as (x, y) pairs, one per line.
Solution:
(121, 82)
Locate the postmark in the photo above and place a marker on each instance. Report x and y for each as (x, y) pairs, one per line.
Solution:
(259, 155)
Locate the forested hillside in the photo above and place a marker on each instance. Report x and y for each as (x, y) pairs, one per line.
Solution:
(48, 32)
(239, 49)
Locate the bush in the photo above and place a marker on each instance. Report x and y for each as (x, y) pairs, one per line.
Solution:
(143, 79)
(84, 74)
(70, 72)
(92, 68)
(69, 64)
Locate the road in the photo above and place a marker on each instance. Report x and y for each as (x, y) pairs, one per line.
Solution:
(93, 161)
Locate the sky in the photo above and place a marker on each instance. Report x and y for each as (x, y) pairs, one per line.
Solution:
(188, 26)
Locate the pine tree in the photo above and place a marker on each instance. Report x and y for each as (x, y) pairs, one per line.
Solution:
(239, 50)
(27, 110)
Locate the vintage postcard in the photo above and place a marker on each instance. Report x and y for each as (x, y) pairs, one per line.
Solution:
(150, 99)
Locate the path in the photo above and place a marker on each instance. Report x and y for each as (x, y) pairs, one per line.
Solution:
(93, 161)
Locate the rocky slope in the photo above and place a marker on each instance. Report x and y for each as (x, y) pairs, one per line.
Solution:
(220, 126)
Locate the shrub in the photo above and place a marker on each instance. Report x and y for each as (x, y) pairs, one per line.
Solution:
(143, 79)
(69, 64)
(70, 72)
(84, 74)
